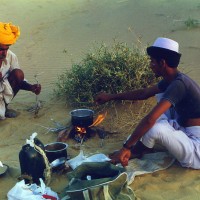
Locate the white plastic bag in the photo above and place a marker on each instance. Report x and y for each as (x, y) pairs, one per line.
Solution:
(21, 191)
(78, 160)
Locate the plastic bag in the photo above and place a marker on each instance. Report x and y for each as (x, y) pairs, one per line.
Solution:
(22, 191)
(78, 160)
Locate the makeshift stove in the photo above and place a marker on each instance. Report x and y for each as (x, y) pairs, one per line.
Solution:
(80, 134)
(83, 126)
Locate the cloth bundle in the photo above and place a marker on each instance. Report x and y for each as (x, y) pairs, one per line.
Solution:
(98, 181)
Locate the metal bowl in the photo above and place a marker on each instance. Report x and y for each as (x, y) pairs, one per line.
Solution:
(56, 150)
(3, 169)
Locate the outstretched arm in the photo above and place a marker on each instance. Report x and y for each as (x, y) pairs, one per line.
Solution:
(35, 88)
(140, 94)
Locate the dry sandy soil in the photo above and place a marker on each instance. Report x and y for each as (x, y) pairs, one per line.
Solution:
(55, 33)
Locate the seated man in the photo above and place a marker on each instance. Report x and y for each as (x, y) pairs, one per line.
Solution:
(179, 92)
(11, 76)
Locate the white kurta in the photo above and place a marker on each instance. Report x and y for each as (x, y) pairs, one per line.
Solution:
(6, 92)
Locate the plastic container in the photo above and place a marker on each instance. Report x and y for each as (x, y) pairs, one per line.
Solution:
(32, 163)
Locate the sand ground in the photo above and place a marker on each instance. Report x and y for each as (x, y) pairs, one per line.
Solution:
(56, 33)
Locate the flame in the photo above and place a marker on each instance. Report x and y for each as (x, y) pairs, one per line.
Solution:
(81, 130)
(99, 119)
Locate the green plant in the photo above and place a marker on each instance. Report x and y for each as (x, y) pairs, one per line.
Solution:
(191, 23)
(112, 69)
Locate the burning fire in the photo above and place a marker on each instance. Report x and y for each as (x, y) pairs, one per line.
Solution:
(98, 120)
(81, 130)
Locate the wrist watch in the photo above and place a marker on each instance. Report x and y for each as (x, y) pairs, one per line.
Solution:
(125, 145)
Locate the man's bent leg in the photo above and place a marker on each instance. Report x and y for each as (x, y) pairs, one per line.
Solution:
(15, 79)
(175, 141)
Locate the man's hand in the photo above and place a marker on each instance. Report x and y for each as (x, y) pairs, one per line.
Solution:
(102, 98)
(122, 156)
(36, 88)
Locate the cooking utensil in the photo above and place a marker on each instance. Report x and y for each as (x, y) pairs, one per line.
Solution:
(58, 162)
(3, 169)
(56, 150)
(82, 117)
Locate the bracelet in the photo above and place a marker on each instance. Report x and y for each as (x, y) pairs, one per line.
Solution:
(126, 147)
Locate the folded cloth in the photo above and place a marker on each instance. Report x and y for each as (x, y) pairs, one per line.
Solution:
(149, 163)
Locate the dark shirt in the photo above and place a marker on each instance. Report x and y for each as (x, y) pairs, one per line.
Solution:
(184, 94)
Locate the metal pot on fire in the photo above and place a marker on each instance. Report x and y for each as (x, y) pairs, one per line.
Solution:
(82, 117)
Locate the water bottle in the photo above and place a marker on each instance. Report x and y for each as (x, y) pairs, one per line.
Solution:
(32, 163)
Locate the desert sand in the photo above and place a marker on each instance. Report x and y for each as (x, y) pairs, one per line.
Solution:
(56, 33)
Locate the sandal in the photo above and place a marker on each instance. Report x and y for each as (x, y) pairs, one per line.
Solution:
(10, 113)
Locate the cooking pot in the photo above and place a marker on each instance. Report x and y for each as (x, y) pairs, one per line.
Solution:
(82, 117)
(56, 150)
(3, 169)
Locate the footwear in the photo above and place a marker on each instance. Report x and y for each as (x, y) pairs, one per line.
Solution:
(10, 113)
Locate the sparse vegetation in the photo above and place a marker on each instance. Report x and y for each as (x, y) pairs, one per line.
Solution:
(191, 23)
(112, 69)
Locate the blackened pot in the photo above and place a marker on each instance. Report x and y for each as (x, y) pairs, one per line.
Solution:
(56, 150)
(82, 117)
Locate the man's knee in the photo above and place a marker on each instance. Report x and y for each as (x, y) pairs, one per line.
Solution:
(15, 79)
(17, 75)
(156, 134)
(155, 130)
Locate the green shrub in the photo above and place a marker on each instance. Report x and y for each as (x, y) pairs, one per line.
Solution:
(111, 69)
(191, 23)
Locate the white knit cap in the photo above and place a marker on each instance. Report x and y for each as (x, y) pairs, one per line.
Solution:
(166, 43)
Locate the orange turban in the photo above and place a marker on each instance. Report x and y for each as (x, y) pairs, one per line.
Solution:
(8, 33)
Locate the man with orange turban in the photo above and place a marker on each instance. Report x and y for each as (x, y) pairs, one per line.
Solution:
(11, 76)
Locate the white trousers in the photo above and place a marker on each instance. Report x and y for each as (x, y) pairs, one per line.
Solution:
(183, 144)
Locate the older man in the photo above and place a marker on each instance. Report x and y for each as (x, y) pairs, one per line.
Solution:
(11, 76)
(180, 93)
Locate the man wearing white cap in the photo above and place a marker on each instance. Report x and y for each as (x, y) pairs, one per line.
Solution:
(11, 76)
(179, 93)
